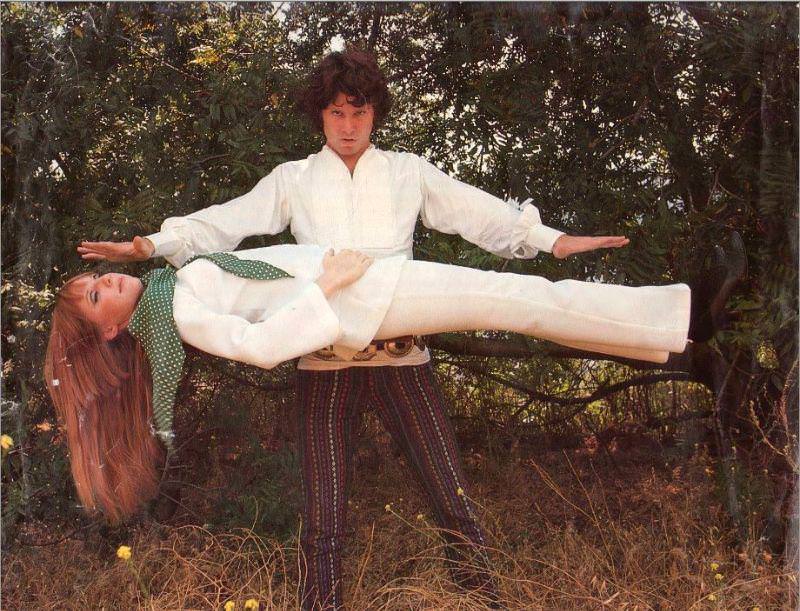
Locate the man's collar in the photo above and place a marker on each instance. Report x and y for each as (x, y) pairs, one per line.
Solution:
(331, 155)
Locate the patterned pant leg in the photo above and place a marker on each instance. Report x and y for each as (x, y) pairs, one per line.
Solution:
(327, 417)
(411, 406)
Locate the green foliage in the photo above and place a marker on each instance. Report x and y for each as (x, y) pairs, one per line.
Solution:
(37, 482)
(754, 493)
(267, 497)
(669, 123)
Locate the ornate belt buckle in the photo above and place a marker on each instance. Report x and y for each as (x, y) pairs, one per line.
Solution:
(398, 347)
(366, 354)
(326, 354)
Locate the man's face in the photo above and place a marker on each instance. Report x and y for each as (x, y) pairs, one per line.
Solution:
(109, 300)
(347, 128)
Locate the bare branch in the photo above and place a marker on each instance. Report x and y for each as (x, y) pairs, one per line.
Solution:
(695, 360)
(375, 30)
(160, 60)
(599, 393)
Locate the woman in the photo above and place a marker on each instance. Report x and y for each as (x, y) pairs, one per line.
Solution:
(98, 374)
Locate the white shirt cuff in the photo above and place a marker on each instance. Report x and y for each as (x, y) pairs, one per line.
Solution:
(529, 235)
(166, 243)
(542, 237)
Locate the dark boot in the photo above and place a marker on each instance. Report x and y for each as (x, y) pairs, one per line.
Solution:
(712, 287)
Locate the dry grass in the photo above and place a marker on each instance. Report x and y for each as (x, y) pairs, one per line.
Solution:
(567, 531)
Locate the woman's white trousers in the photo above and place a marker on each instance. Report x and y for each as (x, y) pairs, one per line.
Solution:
(645, 322)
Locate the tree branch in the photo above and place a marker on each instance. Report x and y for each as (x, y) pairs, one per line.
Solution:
(702, 14)
(695, 360)
(375, 30)
(599, 393)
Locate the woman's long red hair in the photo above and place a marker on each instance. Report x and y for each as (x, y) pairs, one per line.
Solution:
(102, 394)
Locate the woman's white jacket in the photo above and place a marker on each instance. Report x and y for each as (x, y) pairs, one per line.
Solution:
(266, 322)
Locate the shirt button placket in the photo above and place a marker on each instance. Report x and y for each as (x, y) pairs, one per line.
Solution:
(351, 214)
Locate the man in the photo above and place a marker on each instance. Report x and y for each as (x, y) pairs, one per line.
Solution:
(352, 195)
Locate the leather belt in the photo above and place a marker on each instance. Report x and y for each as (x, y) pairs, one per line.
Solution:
(396, 347)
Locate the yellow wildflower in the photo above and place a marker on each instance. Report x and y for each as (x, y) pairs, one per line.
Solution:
(460, 491)
(712, 598)
(756, 609)
(388, 507)
(719, 576)
(714, 566)
(124, 552)
(230, 605)
(251, 603)
(6, 442)
(420, 517)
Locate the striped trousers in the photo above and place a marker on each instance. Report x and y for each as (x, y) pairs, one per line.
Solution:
(410, 405)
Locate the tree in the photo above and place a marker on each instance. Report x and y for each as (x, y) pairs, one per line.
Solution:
(672, 123)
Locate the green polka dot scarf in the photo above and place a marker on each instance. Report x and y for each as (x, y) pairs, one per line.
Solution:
(153, 325)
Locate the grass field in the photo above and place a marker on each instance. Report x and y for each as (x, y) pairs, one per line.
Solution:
(632, 528)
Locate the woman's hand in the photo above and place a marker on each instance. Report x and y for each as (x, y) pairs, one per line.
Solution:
(567, 245)
(140, 249)
(342, 269)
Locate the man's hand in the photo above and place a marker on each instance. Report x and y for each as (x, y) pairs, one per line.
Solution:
(341, 270)
(567, 245)
(117, 252)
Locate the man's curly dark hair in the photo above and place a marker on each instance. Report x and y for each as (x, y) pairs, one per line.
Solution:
(352, 72)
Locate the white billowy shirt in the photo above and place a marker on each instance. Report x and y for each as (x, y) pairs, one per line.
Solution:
(374, 211)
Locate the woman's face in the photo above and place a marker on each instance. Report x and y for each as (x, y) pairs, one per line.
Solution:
(108, 301)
